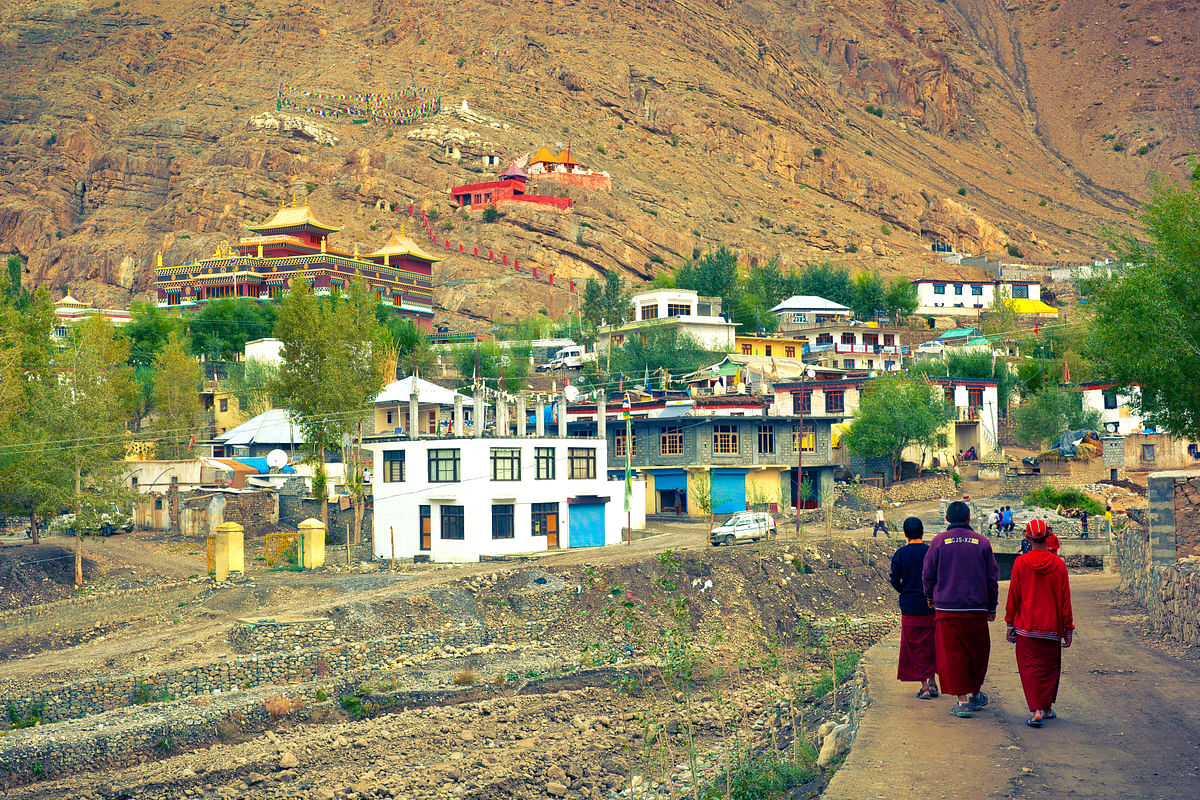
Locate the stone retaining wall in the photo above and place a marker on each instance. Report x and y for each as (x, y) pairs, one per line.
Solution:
(84, 698)
(1170, 593)
(21, 616)
(271, 636)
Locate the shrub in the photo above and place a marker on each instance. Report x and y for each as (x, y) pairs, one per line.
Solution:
(490, 214)
(1118, 147)
(433, 214)
(464, 677)
(1042, 202)
(600, 149)
(962, 190)
(1143, 150)
(885, 230)
(278, 706)
(867, 153)
(1051, 498)
(762, 775)
(321, 696)
(818, 151)
(852, 248)
(1013, 250)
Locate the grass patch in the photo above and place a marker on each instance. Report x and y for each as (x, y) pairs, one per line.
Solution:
(763, 776)
(1051, 498)
(843, 666)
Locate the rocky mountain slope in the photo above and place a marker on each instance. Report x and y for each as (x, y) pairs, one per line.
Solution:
(858, 132)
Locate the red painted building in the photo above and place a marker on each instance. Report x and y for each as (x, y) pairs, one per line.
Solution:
(294, 244)
(509, 188)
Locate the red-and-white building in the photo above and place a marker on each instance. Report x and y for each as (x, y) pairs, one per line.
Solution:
(293, 244)
(510, 187)
(562, 168)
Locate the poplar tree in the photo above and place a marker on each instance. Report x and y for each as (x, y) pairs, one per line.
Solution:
(177, 379)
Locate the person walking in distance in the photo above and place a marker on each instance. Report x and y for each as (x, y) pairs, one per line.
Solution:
(678, 501)
(1108, 520)
(961, 583)
(918, 661)
(880, 525)
(1040, 623)
(1083, 523)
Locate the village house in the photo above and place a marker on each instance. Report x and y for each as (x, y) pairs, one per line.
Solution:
(855, 346)
(969, 297)
(434, 410)
(806, 311)
(1114, 404)
(68, 311)
(681, 309)
(769, 346)
(462, 498)
(974, 422)
(293, 244)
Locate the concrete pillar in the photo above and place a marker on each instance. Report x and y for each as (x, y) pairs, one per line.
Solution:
(312, 543)
(174, 512)
(539, 421)
(479, 413)
(562, 416)
(602, 417)
(413, 412)
(522, 417)
(501, 415)
(458, 415)
(228, 549)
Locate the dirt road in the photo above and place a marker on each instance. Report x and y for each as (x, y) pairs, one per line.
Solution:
(1128, 722)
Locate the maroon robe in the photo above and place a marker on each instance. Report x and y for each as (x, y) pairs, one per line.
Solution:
(918, 659)
(963, 647)
(1039, 661)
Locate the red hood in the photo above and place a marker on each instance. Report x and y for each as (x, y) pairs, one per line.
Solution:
(1041, 561)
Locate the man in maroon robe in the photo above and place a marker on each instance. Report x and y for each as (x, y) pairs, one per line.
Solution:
(1039, 622)
(961, 583)
(918, 660)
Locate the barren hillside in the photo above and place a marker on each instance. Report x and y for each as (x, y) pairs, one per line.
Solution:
(805, 129)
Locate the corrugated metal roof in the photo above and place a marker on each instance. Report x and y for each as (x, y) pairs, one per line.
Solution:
(269, 427)
(430, 393)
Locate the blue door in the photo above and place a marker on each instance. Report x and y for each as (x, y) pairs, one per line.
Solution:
(587, 525)
(728, 490)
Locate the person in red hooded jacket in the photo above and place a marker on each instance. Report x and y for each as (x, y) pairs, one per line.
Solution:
(1039, 621)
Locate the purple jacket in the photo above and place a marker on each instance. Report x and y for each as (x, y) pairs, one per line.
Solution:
(960, 572)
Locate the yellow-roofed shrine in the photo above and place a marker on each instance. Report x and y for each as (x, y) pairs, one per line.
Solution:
(294, 244)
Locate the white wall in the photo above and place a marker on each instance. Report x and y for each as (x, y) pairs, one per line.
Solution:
(268, 350)
(397, 504)
(1123, 416)
(966, 302)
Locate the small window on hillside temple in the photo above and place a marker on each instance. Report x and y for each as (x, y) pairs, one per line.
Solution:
(678, 310)
(581, 463)
(789, 352)
(939, 288)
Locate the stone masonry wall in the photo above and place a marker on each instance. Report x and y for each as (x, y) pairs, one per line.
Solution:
(257, 512)
(1170, 592)
(1187, 518)
(269, 636)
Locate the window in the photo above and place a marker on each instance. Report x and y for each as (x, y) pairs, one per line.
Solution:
(824, 338)
(158, 504)
(949, 395)
(444, 466)
(975, 398)
(725, 440)
(506, 464)
(977, 289)
(541, 514)
(789, 352)
(543, 459)
(172, 298)
(1110, 400)
(1021, 291)
(766, 438)
(679, 310)
(390, 418)
(649, 312)
(1147, 452)
(581, 463)
(452, 519)
(224, 403)
(847, 337)
(958, 288)
(502, 521)
(393, 466)
(801, 402)
(943, 441)
(870, 340)
(746, 349)
(835, 402)
(805, 442)
(939, 288)
(848, 363)
(619, 443)
(670, 441)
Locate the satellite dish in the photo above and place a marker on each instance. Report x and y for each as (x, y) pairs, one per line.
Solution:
(277, 459)
(571, 393)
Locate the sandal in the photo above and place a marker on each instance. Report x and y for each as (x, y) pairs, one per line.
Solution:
(978, 701)
(1033, 723)
(933, 692)
(1049, 715)
(961, 710)
(924, 694)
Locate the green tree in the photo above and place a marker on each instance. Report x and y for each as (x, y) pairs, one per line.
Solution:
(414, 353)
(332, 369)
(147, 331)
(900, 298)
(493, 364)
(615, 300)
(1146, 325)
(827, 281)
(85, 413)
(592, 306)
(1050, 413)
(896, 413)
(177, 380)
(14, 292)
(971, 364)
(866, 294)
(253, 383)
(659, 349)
(713, 274)
(221, 329)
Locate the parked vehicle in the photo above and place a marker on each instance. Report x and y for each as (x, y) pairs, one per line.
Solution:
(744, 526)
(572, 357)
(113, 521)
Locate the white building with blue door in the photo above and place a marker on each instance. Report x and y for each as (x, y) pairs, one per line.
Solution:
(460, 498)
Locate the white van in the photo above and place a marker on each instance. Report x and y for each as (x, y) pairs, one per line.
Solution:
(744, 526)
(572, 357)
